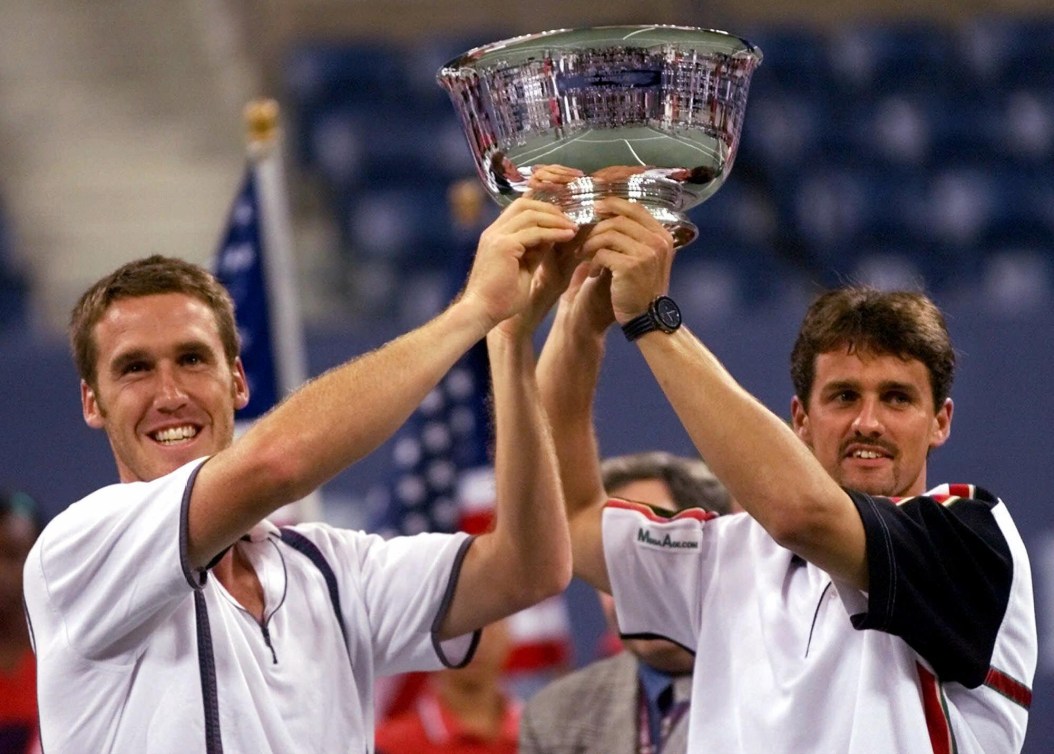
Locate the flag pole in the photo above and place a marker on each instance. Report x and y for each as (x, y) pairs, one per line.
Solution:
(264, 146)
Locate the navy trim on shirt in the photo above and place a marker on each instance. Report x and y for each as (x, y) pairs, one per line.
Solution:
(206, 659)
(207, 673)
(309, 549)
(195, 578)
(444, 606)
(939, 577)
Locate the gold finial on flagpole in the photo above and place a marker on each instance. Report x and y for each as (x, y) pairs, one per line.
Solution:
(261, 120)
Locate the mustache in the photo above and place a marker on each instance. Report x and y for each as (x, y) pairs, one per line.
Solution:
(868, 442)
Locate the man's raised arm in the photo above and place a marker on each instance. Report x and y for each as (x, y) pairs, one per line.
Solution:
(344, 414)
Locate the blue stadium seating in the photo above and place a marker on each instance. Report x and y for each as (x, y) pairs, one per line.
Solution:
(905, 152)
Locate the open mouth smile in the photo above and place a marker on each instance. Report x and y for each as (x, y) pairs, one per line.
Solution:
(175, 435)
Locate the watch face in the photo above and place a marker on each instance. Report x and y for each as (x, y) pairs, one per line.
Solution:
(667, 312)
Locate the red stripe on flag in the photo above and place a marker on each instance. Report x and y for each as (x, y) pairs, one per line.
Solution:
(936, 719)
(477, 522)
(1012, 689)
(538, 655)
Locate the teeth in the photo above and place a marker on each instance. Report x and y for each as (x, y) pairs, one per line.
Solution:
(175, 434)
(866, 454)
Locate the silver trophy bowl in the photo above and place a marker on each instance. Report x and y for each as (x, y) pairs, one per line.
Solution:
(649, 113)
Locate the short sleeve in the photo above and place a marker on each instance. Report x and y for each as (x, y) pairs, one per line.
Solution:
(114, 564)
(655, 564)
(940, 575)
(404, 587)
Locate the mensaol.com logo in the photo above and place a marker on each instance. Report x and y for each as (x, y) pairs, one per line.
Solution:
(675, 541)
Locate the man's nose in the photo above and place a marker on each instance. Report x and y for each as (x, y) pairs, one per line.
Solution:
(869, 421)
(171, 393)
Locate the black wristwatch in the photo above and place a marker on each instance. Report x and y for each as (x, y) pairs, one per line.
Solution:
(662, 314)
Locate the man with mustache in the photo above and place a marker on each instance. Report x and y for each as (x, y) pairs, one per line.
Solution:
(856, 609)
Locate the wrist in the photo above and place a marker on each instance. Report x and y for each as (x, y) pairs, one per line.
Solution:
(662, 315)
(472, 312)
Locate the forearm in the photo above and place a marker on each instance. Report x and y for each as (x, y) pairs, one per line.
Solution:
(331, 422)
(568, 372)
(527, 556)
(764, 465)
(530, 513)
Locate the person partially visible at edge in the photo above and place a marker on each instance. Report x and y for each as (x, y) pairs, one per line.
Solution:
(858, 607)
(465, 710)
(20, 524)
(170, 616)
(638, 699)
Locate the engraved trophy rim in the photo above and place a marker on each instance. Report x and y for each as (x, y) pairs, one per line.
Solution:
(634, 34)
(651, 113)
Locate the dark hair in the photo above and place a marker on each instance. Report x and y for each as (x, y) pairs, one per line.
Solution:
(906, 324)
(690, 480)
(147, 277)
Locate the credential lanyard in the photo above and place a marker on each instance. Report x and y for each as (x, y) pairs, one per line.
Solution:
(666, 725)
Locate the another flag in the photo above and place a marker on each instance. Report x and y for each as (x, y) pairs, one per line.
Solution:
(255, 264)
(240, 267)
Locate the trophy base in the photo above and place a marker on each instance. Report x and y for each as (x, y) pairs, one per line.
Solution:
(661, 196)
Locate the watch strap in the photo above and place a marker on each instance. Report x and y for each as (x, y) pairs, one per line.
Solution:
(640, 325)
(652, 319)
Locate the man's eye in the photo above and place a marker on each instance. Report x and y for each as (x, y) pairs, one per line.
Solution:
(134, 368)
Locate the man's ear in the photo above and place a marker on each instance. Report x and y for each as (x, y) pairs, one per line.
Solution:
(800, 421)
(94, 416)
(942, 424)
(241, 385)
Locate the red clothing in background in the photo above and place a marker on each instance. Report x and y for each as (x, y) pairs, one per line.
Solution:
(18, 707)
(428, 728)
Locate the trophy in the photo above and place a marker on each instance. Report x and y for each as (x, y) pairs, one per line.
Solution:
(651, 114)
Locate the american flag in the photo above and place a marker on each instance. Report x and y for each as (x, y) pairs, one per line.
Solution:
(240, 267)
(255, 263)
(440, 458)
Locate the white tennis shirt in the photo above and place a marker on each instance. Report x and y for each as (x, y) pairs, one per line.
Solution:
(111, 606)
(938, 656)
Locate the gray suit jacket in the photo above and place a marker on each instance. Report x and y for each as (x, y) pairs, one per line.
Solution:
(591, 711)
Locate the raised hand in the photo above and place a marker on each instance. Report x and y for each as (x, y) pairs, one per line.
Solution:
(637, 252)
(509, 253)
(548, 175)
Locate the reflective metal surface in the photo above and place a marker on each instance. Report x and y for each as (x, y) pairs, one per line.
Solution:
(649, 113)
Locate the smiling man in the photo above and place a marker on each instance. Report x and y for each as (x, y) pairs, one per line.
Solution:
(168, 615)
(855, 609)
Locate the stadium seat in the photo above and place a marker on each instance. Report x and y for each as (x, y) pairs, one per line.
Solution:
(878, 57)
(1004, 51)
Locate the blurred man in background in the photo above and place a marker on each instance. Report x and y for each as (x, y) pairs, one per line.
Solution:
(638, 699)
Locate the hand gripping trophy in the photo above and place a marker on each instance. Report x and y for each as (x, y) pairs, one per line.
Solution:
(649, 113)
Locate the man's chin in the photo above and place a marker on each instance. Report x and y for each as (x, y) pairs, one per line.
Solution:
(171, 461)
(869, 485)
